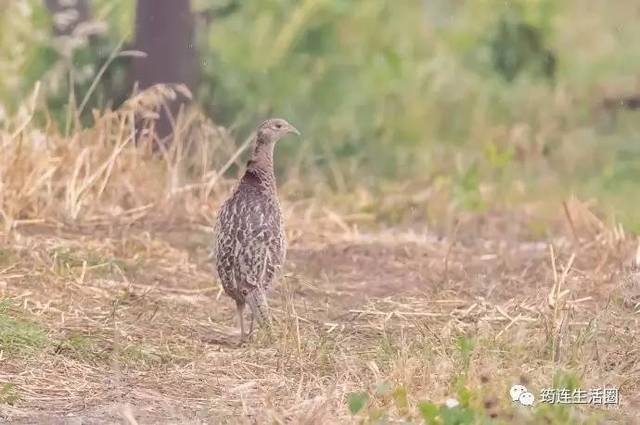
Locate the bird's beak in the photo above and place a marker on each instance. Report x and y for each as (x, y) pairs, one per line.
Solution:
(293, 130)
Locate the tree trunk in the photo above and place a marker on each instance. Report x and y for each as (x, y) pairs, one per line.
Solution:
(164, 31)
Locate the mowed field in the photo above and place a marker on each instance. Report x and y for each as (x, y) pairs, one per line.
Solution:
(109, 311)
(124, 323)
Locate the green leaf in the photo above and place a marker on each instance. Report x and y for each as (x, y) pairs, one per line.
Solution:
(456, 416)
(400, 398)
(357, 401)
(464, 396)
(429, 412)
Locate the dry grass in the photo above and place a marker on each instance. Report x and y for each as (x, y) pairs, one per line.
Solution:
(109, 312)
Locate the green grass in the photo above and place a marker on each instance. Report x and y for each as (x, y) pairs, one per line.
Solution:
(71, 261)
(19, 335)
(473, 408)
(8, 394)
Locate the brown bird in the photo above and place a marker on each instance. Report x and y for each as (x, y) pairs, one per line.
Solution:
(249, 243)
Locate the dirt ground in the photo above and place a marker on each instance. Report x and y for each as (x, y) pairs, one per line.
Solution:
(128, 325)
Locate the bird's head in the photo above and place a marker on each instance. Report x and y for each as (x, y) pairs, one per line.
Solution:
(275, 129)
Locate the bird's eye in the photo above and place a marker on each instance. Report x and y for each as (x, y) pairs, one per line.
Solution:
(278, 125)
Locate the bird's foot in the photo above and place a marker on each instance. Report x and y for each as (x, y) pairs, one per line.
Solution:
(244, 340)
(247, 337)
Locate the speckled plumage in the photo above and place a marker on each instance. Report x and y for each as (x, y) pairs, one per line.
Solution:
(249, 243)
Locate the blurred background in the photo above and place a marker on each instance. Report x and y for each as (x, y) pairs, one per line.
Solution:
(497, 103)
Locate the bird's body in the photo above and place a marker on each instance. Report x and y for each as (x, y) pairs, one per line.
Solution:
(249, 244)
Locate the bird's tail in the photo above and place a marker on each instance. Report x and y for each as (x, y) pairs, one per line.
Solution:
(257, 300)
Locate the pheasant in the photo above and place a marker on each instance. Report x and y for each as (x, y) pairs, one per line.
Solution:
(249, 243)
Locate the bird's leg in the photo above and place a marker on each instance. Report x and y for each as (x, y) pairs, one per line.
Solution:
(240, 307)
(253, 316)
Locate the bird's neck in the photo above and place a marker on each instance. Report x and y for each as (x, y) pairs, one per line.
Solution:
(260, 165)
